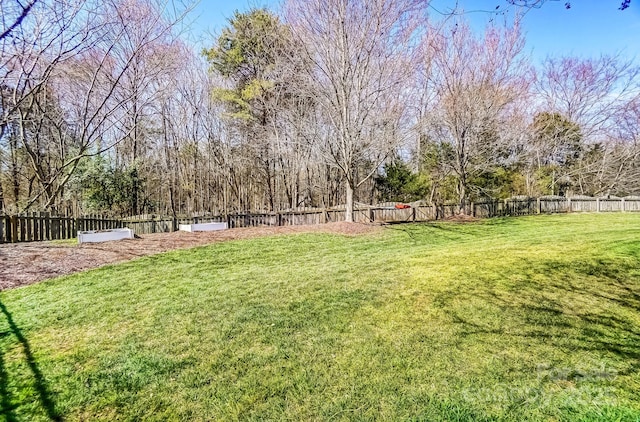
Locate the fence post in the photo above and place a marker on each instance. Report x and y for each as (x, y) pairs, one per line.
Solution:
(14, 229)
(622, 205)
(47, 226)
(597, 204)
(22, 221)
(539, 205)
(569, 204)
(7, 229)
(55, 228)
(32, 226)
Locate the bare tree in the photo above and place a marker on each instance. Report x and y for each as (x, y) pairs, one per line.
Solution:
(588, 91)
(476, 83)
(359, 56)
(12, 14)
(598, 94)
(612, 166)
(53, 33)
(61, 81)
(148, 53)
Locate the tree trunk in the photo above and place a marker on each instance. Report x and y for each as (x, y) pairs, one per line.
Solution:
(15, 181)
(349, 205)
(1, 199)
(462, 194)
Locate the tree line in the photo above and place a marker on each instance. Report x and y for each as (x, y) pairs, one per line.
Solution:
(105, 108)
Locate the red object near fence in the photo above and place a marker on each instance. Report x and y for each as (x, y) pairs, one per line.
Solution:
(402, 206)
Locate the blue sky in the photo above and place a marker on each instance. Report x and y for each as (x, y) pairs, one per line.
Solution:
(211, 15)
(589, 28)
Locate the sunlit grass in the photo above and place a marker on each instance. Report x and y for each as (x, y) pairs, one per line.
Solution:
(532, 318)
(64, 242)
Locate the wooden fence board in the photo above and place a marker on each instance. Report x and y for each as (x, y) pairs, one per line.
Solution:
(583, 205)
(552, 206)
(38, 227)
(632, 205)
(485, 209)
(610, 205)
(425, 213)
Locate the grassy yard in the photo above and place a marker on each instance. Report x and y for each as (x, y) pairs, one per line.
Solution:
(534, 318)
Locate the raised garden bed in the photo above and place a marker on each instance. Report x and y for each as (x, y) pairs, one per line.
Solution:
(203, 227)
(96, 236)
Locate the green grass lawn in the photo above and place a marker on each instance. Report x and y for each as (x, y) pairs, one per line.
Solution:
(534, 318)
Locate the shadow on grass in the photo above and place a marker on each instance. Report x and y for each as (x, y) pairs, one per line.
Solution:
(576, 305)
(39, 382)
(6, 409)
(438, 231)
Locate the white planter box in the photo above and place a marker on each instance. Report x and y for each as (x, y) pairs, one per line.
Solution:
(203, 227)
(104, 235)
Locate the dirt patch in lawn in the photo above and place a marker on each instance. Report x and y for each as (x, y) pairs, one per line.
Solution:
(461, 218)
(27, 263)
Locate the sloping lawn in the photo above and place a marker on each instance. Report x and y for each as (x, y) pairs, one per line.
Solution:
(534, 318)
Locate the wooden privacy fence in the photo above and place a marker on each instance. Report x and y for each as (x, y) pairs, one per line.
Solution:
(390, 214)
(160, 224)
(42, 226)
(529, 206)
